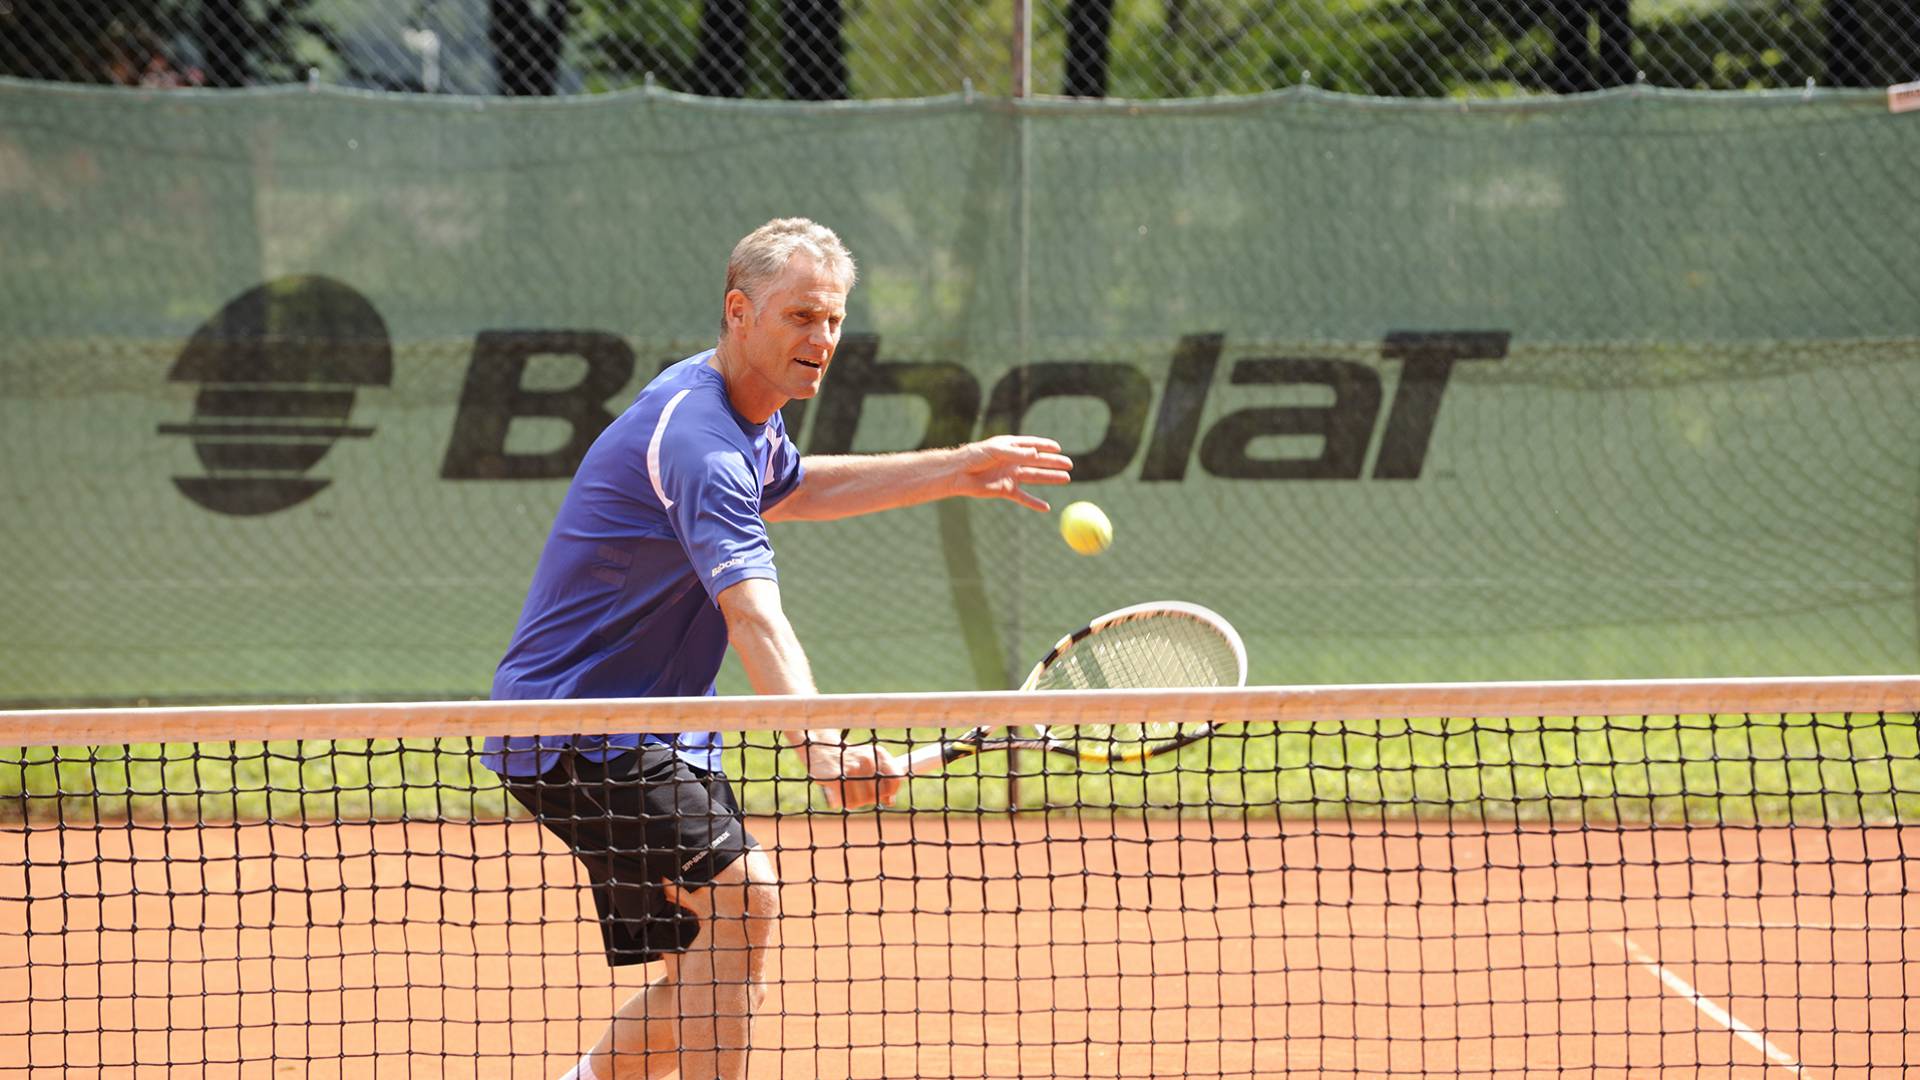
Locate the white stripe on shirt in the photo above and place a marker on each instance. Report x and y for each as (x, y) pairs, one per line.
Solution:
(653, 448)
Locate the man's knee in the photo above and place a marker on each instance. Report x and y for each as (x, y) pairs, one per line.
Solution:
(746, 898)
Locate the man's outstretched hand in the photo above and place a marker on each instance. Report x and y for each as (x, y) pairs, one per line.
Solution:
(1000, 467)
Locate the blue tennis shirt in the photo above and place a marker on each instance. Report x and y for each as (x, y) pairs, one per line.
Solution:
(662, 516)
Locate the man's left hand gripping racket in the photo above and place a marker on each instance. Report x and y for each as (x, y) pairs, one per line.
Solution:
(1162, 645)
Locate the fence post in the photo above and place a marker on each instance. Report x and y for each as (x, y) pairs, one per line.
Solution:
(1022, 48)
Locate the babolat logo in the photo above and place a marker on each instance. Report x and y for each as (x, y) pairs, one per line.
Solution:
(1238, 445)
(277, 368)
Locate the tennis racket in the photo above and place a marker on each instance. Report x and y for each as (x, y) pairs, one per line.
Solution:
(1161, 645)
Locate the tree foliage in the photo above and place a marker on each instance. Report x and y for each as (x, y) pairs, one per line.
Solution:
(162, 42)
(916, 48)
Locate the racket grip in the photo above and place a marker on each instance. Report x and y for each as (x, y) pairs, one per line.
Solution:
(928, 758)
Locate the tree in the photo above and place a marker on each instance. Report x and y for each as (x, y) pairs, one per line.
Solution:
(1417, 48)
(228, 42)
(1872, 44)
(527, 44)
(224, 36)
(694, 46)
(708, 47)
(720, 66)
(1576, 66)
(813, 55)
(69, 43)
(1089, 40)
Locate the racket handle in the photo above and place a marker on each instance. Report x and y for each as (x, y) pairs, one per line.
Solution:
(928, 758)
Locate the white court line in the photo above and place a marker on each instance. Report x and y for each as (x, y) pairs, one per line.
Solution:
(1711, 1010)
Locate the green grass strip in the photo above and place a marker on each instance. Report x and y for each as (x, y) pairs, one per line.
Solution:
(1798, 769)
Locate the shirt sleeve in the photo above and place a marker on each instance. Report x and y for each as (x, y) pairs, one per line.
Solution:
(783, 468)
(714, 503)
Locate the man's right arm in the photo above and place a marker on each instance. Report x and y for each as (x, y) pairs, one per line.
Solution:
(758, 629)
(770, 651)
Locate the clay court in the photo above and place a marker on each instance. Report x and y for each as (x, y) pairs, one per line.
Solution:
(936, 946)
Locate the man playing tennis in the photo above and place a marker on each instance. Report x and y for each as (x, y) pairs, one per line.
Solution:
(658, 559)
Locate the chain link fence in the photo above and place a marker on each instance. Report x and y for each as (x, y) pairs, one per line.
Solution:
(870, 49)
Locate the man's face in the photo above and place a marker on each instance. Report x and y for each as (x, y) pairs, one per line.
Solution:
(787, 340)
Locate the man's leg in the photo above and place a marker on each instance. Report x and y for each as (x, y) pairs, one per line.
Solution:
(645, 1031)
(696, 1018)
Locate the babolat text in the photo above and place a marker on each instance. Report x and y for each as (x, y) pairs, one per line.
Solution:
(959, 408)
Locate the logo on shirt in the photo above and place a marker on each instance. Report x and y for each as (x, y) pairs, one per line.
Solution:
(728, 565)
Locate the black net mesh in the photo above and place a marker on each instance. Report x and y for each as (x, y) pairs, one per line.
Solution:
(1596, 896)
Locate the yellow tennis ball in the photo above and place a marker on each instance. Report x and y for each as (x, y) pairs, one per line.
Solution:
(1085, 528)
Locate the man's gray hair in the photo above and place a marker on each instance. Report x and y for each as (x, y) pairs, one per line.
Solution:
(762, 254)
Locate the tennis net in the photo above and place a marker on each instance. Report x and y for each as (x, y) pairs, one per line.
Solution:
(1488, 880)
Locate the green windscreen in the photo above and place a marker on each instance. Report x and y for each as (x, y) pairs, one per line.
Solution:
(291, 383)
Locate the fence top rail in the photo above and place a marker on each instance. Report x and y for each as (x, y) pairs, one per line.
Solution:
(1876, 98)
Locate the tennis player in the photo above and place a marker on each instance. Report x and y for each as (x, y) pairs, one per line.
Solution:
(657, 561)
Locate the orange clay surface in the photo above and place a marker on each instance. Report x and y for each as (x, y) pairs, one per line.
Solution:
(937, 946)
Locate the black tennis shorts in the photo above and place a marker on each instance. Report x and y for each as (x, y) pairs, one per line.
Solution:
(636, 821)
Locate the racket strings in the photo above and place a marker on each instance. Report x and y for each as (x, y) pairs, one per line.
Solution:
(1148, 653)
(1154, 652)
